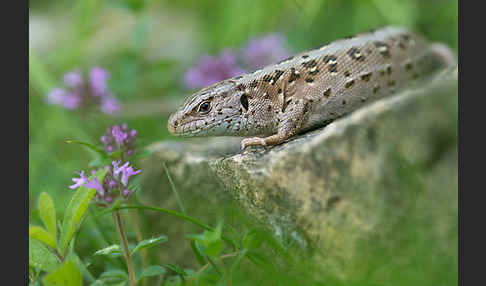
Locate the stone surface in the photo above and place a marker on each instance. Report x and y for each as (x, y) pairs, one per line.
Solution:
(329, 188)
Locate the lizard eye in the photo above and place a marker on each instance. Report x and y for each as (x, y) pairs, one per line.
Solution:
(204, 107)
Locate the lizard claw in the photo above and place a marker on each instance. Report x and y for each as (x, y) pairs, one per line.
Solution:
(254, 141)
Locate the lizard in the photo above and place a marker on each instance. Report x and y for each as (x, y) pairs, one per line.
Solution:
(310, 89)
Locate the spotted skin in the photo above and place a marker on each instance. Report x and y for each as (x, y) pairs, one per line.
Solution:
(310, 89)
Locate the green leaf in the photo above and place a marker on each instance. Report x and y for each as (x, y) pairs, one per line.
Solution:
(175, 268)
(41, 257)
(74, 213)
(152, 270)
(197, 252)
(48, 215)
(115, 248)
(252, 240)
(42, 235)
(214, 248)
(210, 241)
(82, 267)
(114, 275)
(150, 243)
(66, 275)
(89, 146)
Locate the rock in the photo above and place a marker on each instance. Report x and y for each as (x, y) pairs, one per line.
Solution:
(332, 187)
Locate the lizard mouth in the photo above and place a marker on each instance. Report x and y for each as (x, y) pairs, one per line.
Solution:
(191, 129)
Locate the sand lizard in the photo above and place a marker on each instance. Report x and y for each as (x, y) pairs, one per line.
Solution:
(311, 88)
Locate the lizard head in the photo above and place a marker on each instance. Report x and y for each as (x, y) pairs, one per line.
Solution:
(212, 111)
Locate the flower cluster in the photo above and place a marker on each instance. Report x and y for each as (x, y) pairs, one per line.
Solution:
(119, 137)
(263, 51)
(80, 93)
(212, 69)
(257, 53)
(114, 185)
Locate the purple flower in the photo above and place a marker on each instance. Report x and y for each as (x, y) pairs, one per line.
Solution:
(56, 96)
(95, 184)
(110, 105)
(71, 100)
(117, 170)
(73, 79)
(119, 137)
(263, 51)
(97, 79)
(118, 134)
(211, 69)
(127, 173)
(114, 185)
(83, 94)
(78, 181)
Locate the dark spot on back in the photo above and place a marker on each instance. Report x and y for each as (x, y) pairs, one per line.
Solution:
(309, 64)
(332, 68)
(383, 48)
(389, 70)
(349, 84)
(331, 60)
(305, 56)
(278, 74)
(244, 101)
(327, 92)
(309, 79)
(267, 78)
(347, 73)
(328, 58)
(366, 76)
(254, 84)
(293, 75)
(240, 87)
(355, 54)
(344, 102)
(314, 72)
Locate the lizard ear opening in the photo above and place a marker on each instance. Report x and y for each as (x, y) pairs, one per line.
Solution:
(244, 101)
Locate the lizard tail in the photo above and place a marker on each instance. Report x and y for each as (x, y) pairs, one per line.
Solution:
(445, 53)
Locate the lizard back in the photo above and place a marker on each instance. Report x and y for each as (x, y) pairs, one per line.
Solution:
(341, 76)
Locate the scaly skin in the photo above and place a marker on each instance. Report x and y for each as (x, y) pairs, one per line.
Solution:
(310, 89)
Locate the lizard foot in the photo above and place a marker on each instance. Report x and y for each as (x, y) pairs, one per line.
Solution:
(254, 141)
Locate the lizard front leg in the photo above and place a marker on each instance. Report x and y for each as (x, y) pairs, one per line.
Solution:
(290, 124)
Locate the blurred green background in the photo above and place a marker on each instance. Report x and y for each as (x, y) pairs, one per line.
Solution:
(148, 45)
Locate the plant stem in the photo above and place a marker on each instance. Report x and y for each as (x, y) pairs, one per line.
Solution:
(123, 240)
(138, 232)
